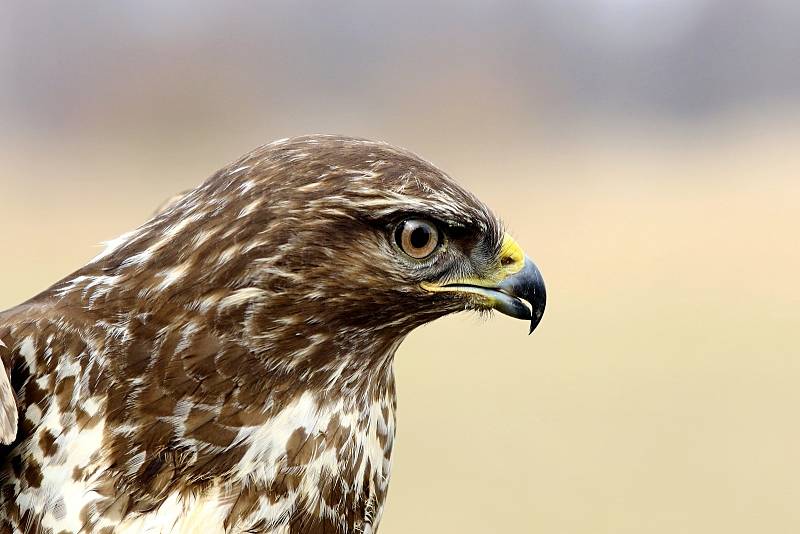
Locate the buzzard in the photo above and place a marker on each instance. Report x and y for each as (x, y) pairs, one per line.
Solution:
(227, 366)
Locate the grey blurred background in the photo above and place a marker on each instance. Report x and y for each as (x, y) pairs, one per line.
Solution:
(645, 153)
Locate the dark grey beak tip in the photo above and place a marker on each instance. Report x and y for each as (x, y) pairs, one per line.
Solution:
(528, 285)
(536, 316)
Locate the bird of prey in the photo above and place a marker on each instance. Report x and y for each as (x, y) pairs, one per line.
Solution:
(227, 366)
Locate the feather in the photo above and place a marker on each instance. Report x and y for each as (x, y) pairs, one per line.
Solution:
(227, 366)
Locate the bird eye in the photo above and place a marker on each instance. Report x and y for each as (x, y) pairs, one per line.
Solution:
(418, 238)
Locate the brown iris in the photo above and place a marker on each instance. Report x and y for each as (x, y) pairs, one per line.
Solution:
(417, 237)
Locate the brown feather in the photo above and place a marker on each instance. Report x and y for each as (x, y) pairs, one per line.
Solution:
(274, 282)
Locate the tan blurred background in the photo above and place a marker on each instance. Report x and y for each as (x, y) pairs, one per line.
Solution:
(644, 153)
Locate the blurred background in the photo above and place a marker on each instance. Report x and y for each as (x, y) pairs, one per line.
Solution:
(644, 153)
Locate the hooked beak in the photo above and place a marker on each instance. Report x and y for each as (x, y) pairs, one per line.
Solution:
(520, 293)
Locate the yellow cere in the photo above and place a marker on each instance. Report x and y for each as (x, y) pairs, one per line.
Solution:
(512, 259)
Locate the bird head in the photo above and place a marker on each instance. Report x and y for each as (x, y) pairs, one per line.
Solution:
(334, 234)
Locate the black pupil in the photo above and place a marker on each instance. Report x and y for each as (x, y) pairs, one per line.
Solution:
(420, 237)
